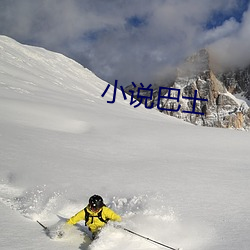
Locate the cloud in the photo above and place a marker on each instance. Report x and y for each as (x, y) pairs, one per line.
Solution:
(130, 40)
(228, 28)
(233, 49)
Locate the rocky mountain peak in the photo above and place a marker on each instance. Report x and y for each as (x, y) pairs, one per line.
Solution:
(222, 108)
(196, 64)
(198, 74)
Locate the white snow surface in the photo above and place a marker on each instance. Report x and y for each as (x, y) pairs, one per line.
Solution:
(61, 142)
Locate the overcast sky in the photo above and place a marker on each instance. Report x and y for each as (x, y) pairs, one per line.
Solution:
(131, 40)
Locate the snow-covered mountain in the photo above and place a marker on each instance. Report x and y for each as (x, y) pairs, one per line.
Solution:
(60, 142)
(222, 109)
(226, 92)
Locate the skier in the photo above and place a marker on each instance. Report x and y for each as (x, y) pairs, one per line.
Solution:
(95, 214)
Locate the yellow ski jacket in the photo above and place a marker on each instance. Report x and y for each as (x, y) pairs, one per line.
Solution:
(94, 223)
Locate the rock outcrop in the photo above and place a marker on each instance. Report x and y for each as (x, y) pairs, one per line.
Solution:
(237, 81)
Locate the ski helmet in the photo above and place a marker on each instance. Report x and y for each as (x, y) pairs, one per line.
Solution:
(95, 202)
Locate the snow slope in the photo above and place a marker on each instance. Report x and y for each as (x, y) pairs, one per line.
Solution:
(61, 142)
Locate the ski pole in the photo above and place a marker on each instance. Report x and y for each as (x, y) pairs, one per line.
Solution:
(146, 238)
(45, 228)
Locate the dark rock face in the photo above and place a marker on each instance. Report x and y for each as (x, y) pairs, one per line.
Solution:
(237, 81)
